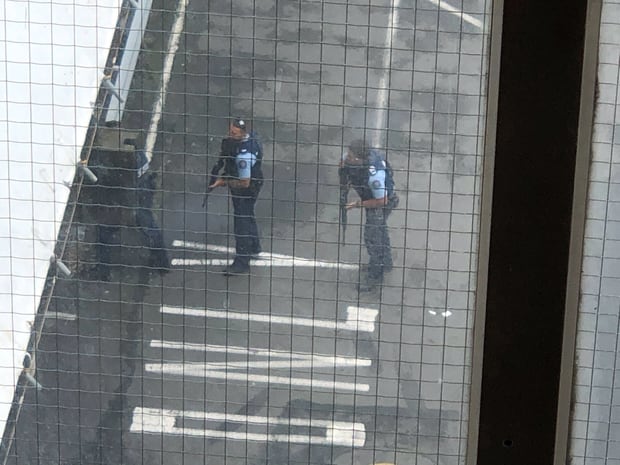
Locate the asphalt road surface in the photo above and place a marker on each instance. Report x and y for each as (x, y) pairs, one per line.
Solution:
(289, 365)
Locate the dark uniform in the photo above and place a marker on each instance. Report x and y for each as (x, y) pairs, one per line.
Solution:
(145, 220)
(123, 191)
(374, 180)
(243, 160)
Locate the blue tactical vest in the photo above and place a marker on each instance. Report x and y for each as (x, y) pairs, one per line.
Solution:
(233, 148)
(360, 176)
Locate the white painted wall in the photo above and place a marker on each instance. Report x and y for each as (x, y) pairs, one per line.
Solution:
(52, 56)
(131, 51)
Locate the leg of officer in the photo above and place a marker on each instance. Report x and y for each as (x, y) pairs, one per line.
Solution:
(387, 246)
(375, 234)
(155, 239)
(243, 226)
(107, 237)
(255, 247)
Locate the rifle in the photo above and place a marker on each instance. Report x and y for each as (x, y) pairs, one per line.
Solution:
(225, 149)
(344, 198)
(215, 172)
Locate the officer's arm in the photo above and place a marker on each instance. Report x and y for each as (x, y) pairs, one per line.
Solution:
(234, 183)
(370, 203)
(244, 170)
(375, 203)
(218, 183)
(376, 183)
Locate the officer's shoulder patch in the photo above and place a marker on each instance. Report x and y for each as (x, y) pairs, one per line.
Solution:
(376, 184)
(244, 150)
(372, 170)
(243, 164)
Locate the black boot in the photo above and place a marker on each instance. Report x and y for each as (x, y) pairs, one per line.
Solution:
(237, 267)
(369, 284)
(159, 259)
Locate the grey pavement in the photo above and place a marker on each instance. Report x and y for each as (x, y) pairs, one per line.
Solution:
(183, 369)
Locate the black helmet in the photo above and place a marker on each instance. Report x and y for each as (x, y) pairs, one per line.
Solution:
(239, 123)
(360, 148)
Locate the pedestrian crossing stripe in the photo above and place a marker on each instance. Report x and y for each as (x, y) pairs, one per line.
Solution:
(257, 428)
(261, 259)
(358, 318)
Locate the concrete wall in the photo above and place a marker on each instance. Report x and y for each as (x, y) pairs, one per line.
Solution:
(52, 57)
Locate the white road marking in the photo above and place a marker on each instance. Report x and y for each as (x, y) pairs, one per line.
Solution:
(383, 95)
(464, 16)
(445, 314)
(61, 316)
(150, 420)
(265, 258)
(222, 370)
(223, 249)
(276, 262)
(279, 364)
(358, 318)
(291, 359)
(201, 370)
(173, 46)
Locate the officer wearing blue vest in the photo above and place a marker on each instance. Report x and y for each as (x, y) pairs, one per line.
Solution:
(371, 177)
(242, 155)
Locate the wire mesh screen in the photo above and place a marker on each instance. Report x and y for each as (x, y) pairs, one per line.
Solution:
(312, 300)
(596, 406)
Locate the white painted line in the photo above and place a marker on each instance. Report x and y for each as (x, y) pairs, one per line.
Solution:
(291, 359)
(265, 258)
(276, 262)
(223, 249)
(445, 314)
(361, 318)
(281, 364)
(61, 316)
(358, 318)
(464, 16)
(173, 46)
(383, 95)
(150, 420)
(202, 370)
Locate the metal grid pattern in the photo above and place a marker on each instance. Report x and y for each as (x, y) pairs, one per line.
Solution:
(594, 439)
(291, 363)
(596, 424)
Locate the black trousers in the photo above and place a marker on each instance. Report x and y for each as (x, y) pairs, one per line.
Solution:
(145, 221)
(377, 242)
(109, 238)
(247, 241)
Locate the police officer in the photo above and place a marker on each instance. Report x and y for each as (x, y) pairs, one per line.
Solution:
(145, 220)
(116, 192)
(242, 154)
(371, 177)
